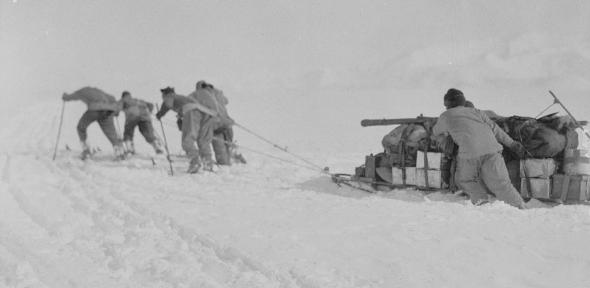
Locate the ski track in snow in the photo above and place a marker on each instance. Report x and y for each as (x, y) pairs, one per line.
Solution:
(99, 223)
(108, 235)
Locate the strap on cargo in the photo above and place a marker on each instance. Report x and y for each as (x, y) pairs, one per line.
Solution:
(426, 167)
(529, 186)
(565, 186)
(403, 150)
(402, 156)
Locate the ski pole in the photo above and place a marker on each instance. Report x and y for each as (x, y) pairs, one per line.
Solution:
(165, 144)
(556, 100)
(61, 120)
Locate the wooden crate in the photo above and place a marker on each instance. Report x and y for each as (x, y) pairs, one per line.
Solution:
(370, 166)
(576, 162)
(570, 187)
(410, 176)
(537, 168)
(434, 160)
(540, 187)
(434, 178)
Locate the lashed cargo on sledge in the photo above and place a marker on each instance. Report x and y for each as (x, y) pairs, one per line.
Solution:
(413, 158)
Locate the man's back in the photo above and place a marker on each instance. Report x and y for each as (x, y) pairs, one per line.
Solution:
(205, 98)
(470, 129)
(94, 98)
(136, 108)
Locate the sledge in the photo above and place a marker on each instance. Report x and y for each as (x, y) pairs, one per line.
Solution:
(413, 159)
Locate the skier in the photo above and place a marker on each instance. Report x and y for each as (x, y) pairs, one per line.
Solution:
(197, 126)
(480, 165)
(214, 99)
(138, 114)
(102, 108)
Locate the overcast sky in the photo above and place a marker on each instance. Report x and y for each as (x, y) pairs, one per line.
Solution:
(294, 58)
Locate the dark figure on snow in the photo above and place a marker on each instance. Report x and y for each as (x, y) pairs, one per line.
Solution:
(223, 136)
(102, 108)
(197, 126)
(480, 165)
(138, 114)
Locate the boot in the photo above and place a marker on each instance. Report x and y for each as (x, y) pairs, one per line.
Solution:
(119, 152)
(236, 155)
(85, 150)
(130, 147)
(239, 158)
(195, 165)
(157, 146)
(208, 165)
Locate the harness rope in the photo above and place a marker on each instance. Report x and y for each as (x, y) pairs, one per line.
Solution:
(255, 151)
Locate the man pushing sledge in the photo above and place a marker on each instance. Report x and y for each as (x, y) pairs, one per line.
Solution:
(480, 165)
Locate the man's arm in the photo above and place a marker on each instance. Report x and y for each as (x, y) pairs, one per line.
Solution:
(441, 127)
(166, 105)
(71, 97)
(150, 106)
(500, 135)
(224, 101)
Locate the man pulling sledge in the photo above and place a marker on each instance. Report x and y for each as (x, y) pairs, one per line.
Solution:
(223, 136)
(102, 108)
(138, 114)
(197, 126)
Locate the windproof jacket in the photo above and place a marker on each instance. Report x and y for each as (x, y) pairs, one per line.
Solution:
(94, 98)
(177, 103)
(472, 130)
(136, 109)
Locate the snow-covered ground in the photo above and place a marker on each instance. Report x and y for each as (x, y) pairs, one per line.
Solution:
(302, 73)
(99, 223)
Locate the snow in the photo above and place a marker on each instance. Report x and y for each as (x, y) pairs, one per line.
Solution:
(99, 223)
(303, 74)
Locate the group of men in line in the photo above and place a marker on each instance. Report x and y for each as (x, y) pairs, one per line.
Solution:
(203, 119)
(480, 164)
(201, 116)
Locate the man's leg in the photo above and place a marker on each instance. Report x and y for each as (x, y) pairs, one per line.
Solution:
(147, 130)
(232, 150)
(87, 118)
(468, 179)
(204, 139)
(190, 130)
(495, 177)
(220, 147)
(129, 130)
(107, 124)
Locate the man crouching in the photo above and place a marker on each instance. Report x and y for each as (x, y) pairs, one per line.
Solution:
(480, 165)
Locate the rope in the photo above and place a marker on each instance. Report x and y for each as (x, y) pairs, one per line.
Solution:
(279, 147)
(168, 122)
(545, 110)
(266, 154)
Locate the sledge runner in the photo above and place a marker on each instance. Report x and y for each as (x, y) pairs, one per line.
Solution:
(102, 108)
(138, 114)
(214, 99)
(480, 165)
(197, 126)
